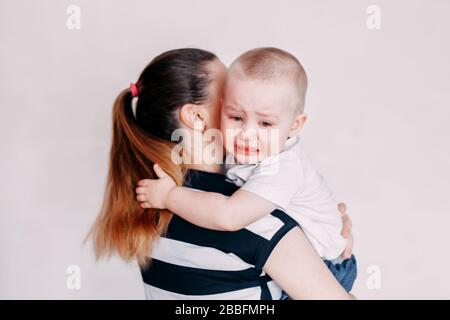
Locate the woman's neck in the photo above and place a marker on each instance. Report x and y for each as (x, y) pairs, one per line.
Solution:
(215, 165)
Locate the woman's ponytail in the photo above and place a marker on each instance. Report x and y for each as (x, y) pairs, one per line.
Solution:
(140, 139)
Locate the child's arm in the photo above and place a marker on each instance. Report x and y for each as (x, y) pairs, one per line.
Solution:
(216, 211)
(205, 209)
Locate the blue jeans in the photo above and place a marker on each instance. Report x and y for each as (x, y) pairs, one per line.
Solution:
(345, 272)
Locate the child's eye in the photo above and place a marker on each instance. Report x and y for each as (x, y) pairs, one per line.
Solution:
(266, 124)
(236, 118)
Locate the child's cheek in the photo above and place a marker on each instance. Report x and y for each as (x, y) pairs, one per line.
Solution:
(270, 148)
(228, 125)
(227, 136)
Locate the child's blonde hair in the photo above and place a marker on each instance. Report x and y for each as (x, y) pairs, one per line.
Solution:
(270, 63)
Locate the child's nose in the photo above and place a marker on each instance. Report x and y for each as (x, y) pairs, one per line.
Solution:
(249, 126)
(249, 133)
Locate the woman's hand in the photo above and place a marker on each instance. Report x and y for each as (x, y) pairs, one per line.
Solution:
(346, 230)
(153, 193)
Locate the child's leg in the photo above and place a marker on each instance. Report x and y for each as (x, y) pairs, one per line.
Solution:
(345, 271)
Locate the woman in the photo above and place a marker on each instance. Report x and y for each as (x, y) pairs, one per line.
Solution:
(178, 260)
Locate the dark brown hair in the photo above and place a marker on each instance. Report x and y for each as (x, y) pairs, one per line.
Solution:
(168, 82)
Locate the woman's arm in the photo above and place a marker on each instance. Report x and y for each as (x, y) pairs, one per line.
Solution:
(296, 267)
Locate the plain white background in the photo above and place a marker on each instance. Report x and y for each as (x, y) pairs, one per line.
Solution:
(378, 130)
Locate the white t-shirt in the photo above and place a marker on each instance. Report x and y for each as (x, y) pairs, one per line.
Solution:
(289, 181)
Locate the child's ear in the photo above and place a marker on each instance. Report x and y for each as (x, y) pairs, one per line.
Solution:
(298, 123)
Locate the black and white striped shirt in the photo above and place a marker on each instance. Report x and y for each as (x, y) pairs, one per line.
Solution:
(196, 263)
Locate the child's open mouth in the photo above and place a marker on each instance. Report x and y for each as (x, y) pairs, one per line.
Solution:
(245, 149)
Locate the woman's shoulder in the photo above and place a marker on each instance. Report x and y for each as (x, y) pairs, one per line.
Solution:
(217, 182)
(190, 261)
(252, 244)
(209, 181)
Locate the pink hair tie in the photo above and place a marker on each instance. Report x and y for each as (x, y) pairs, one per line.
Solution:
(134, 90)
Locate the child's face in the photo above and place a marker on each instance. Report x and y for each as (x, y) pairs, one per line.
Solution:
(257, 117)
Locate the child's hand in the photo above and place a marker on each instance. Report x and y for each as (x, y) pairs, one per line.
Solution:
(153, 193)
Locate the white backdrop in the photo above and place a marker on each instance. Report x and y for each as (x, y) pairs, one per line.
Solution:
(378, 103)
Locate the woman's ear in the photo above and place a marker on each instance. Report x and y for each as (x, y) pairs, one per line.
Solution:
(298, 123)
(191, 116)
